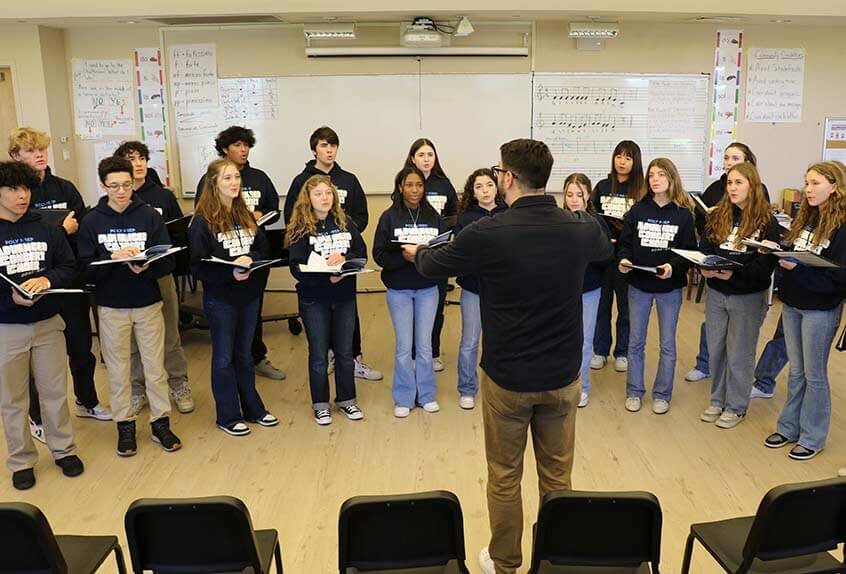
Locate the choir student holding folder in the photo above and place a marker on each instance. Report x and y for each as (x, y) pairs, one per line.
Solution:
(224, 228)
(319, 228)
(813, 301)
(737, 299)
(412, 298)
(659, 222)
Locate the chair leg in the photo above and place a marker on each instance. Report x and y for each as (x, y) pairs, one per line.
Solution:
(121, 565)
(688, 553)
(278, 552)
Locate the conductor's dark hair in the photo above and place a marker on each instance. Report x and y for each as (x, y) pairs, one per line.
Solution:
(16, 174)
(530, 160)
(231, 135)
(127, 148)
(323, 133)
(113, 164)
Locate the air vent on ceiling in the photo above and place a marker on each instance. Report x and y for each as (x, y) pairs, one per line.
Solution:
(217, 20)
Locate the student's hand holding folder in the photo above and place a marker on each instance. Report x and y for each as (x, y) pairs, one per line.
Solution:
(723, 274)
(242, 274)
(125, 253)
(33, 285)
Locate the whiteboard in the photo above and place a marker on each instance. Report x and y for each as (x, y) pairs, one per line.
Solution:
(582, 117)
(467, 116)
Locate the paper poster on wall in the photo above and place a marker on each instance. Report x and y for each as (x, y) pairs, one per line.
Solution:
(193, 76)
(151, 103)
(245, 99)
(834, 140)
(725, 97)
(197, 121)
(102, 97)
(774, 85)
(672, 108)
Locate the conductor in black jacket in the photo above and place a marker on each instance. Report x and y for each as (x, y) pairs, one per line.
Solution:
(531, 261)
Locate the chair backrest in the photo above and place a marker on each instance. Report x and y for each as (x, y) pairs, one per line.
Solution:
(402, 531)
(27, 543)
(798, 519)
(598, 529)
(212, 534)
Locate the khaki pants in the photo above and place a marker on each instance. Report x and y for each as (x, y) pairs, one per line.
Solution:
(116, 328)
(38, 346)
(508, 416)
(175, 363)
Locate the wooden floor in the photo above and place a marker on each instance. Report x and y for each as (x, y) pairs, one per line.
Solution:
(294, 477)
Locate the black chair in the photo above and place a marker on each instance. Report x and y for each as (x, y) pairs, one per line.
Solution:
(213, 534)
(409, 534)
(795, 526)
(27, 544)
(597, 532)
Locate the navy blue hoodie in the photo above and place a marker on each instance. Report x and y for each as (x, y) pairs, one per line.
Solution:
(328, 239)
(58, 193)
(104, 231)
(351, 195)
(473, 213)
(649, 232)
(218, 280)
(757, 270)
(615, 205)
(397, 223)
(817, 288)
(256, 188)
(31, 247)
(441, 195)
(159, 198)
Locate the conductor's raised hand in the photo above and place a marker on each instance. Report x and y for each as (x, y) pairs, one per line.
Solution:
(409, 252)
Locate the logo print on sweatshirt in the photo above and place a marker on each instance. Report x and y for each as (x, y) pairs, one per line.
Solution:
(117, 239)
(615, 205)
(50, 204)
(23, 255)
(342, 196)
(252, 197)
(805, 242)
(437, 201)
(237, 242)
(420, 234)
(656, 234)
(335, 241)
(729, 243)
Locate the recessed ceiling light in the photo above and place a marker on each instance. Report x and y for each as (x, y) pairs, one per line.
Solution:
(781, 21)
(330, 18)
(130, 21)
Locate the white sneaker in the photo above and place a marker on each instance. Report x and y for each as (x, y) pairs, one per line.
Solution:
(597, 362)
(137, 404)
(37, 431)
(711, 414)
(759, 394)
(695, 375)
(323, 417)
(486, 563)
(437, 364)
(729, 420)
(621, 364)
(182, 397)
(632, 404)
(266, 369)
(583, 402)
(401, 412)
(365, 371)
(660, 406)
(432, 407)
(99, 412)
(466, 403)
(352, 412)
(330, 362)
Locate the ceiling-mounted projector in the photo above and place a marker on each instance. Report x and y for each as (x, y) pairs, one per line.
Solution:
(421, 33)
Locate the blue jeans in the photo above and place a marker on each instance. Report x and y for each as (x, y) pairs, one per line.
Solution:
(640, 307)
(468, 348)
(807, 412)
(330, 325)
(590, 305)
(233, 375)
(413, 316)
(613, 284)
(772, 360)
(703, 358)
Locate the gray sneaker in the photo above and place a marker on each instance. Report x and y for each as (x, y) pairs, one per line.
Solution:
(266, 369)
(181, 395)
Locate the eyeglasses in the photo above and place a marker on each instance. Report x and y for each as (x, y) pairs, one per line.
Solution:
(127, 186)
(496, 170)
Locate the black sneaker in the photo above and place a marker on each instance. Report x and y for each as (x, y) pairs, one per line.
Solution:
(70, 465)
(164, 436)
(777, 440)
(126, 445)
(800, 452)
(23, 479)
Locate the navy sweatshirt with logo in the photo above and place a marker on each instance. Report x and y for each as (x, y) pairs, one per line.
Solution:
(159, 198)
(397, 223)
(55, 192)
(104, 231)
(649, 232)
(817, 288)
(31, 247)
(258, 191)
(350, 194)
(441, 195)
(614, 205)
(328, 239)
(218, 279)
(757, 270)
(473, 214)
